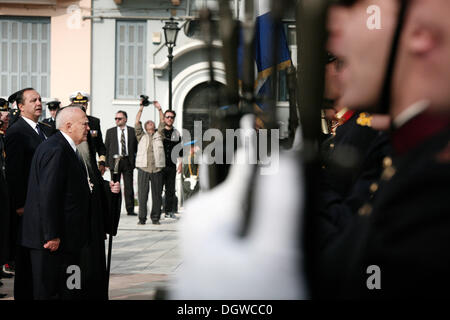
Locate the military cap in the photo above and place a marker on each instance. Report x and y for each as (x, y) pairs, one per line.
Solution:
(4, 105)
(12, 98)
(79, 97)
(52, 105)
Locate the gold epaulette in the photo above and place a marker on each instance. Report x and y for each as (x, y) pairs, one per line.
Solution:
(364, 120)
(45, 124)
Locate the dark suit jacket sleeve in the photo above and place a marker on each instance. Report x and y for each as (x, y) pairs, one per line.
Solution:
(51, 192)
(100, 146)
(108, 141)
(15, 169)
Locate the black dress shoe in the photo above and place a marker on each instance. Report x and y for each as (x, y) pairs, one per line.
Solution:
(141, 222)
(2, 295)
(156, 222)
(132, 214)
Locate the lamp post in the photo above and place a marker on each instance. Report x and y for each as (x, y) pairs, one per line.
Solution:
(170, 34)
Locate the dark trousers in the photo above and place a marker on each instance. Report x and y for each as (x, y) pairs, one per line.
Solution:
(23, 284)
(169, 174)
(51, 275)
(156, 181)
(126, 170)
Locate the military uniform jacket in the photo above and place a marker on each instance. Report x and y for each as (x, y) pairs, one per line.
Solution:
(96, 138)
(4, 209)
(404, 230)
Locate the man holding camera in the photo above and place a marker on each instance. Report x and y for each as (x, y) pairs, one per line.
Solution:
(171, 137)
(150, 161)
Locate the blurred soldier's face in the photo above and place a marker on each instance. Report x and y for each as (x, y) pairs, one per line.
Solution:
(4, 117)
(332, 89)
(423, 65)
(364, 52)
(31, 107)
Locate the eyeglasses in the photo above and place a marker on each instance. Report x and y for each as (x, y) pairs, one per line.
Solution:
(118, 119)
(170, 117)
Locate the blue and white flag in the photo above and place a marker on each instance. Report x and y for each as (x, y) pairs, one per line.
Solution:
(264, 30)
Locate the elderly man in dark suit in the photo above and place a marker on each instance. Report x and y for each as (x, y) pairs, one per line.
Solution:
(21, 141)
(56, 224)
(122, 140)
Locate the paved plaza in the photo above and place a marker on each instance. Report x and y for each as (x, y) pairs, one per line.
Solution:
(144, 259)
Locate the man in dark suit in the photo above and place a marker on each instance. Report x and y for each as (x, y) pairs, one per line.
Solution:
(53, 107)
(95, 133)
(56, 224)
(21, 141)
(122, 140)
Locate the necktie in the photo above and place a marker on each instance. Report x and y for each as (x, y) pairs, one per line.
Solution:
(41, 134)
(122, 142)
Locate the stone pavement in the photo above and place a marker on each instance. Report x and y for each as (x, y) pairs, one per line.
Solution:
(144, 257)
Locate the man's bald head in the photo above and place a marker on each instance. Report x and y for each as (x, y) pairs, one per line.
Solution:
(72, 120)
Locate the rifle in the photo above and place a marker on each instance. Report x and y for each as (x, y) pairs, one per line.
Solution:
(311, 36)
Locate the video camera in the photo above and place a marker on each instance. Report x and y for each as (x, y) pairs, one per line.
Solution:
(145, 101)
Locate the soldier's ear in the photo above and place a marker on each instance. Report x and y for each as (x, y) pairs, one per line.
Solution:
(422, 40)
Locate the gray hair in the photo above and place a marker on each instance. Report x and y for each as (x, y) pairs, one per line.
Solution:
(147, 122)
(64, 115)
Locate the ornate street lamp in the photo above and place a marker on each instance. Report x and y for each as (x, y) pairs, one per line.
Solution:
(170, 34)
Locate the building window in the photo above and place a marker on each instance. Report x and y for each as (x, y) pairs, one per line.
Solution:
(130, 59)
(24, 55)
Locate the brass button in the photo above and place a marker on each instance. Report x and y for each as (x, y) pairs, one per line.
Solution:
(374, 187)
(387, 162)
(365, 210)
(388, 173)
(332, 145)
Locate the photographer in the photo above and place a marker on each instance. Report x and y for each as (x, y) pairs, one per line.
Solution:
(150, 160)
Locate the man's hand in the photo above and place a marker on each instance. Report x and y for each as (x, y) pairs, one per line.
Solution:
(157, 105)
(19, 211)
(115, 187)
(52, 245)
(102, 169)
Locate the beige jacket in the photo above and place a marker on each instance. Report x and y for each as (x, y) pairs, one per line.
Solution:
(142, 150)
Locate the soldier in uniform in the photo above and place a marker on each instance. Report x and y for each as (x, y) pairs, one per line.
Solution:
(398, 246)
(4, 195)
(352, 155)
(53, 107)
(95, 133)
(191, 170)
(14, 111)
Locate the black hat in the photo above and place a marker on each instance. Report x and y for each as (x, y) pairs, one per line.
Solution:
(53, 105)
(12, 98)
(4, 105)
